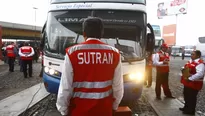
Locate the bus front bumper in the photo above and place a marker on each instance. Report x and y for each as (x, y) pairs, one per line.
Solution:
(132, 89)
(51, 83)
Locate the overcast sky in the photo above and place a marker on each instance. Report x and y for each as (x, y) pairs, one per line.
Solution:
(189, 26)
(21, 11)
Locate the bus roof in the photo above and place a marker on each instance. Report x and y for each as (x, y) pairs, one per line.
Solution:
(115, 1)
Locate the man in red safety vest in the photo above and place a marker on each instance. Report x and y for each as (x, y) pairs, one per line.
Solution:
(161, 61)
(11, 53)
(192, 81)
(26, 53)
(92, 81)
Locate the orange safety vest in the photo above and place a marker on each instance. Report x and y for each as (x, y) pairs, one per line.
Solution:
(163, 68)
(26, 50)
(93, 65)
(197, 85)
(10, 51)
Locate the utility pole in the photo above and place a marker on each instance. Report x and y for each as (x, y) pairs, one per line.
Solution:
(35, 8)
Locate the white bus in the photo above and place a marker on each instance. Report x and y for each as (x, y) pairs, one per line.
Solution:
(158, 36)
(125, 27)
(176, 51)
(188, 50)
(201, 46)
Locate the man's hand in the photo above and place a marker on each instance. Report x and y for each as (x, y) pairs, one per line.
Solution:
(166, 61)
(188, 79)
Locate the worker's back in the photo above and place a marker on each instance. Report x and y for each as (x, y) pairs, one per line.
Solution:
(94, 64)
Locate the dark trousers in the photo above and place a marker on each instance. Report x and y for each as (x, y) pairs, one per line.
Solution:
(162, 80)
(24, 64)
(148, 77)
(11, 61)
(182, 56)
(21, 66)
(190, 98)
(41, 73)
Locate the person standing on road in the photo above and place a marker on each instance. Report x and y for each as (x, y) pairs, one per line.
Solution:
(193, 83)
(91, 82)
(20, 61)
(183, 54)
(161, 62)
(11, 53)
(26, 53)
(149, 65)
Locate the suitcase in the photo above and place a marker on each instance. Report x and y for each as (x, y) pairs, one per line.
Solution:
(123, 111)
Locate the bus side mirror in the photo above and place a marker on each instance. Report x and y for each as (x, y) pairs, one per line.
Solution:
(150, 39)
(161, 42)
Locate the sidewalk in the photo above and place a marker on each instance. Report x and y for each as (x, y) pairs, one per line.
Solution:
(17, 103)
(3, 68)
(1, 62)
(166, 106)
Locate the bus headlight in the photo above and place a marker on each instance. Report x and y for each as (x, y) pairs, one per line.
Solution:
(136, 76)
(52, 72)
(46, 69)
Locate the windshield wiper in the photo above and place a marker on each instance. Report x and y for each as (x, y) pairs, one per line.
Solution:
(125, 57)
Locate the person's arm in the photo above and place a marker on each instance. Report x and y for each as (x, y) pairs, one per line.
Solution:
(32, 52)
(15, 51)
(199, 72)
(156, 60)
(118, 88)
(20, 53)
(65, 88)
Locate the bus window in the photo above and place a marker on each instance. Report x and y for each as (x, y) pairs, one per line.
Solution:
(202, 39)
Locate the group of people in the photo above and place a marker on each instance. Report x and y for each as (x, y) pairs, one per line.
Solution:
(192, 77)
(100, 93)
(25, 53)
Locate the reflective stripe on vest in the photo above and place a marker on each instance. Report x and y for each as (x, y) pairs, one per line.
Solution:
(92, 84)
(91, 46)
(10, 51)
(92, 95)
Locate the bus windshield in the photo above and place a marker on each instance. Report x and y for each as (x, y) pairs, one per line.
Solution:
(189, 47)
(125, 33)
(122, 1)
(176, 50)
(157, 30)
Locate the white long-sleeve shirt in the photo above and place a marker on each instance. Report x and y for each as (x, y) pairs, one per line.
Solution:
(28, 55)
(200, 69)
(156, 61)
(66, 90)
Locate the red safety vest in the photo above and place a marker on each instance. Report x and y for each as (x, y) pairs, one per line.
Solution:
(26, 50)
(10, 51)
(93, 65)
(197, 85)
(163, 68)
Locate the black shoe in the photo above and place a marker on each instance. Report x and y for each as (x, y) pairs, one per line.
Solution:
(181, 109)
(148, 86)
(189, 113)
(159, 98)
(170, 97)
